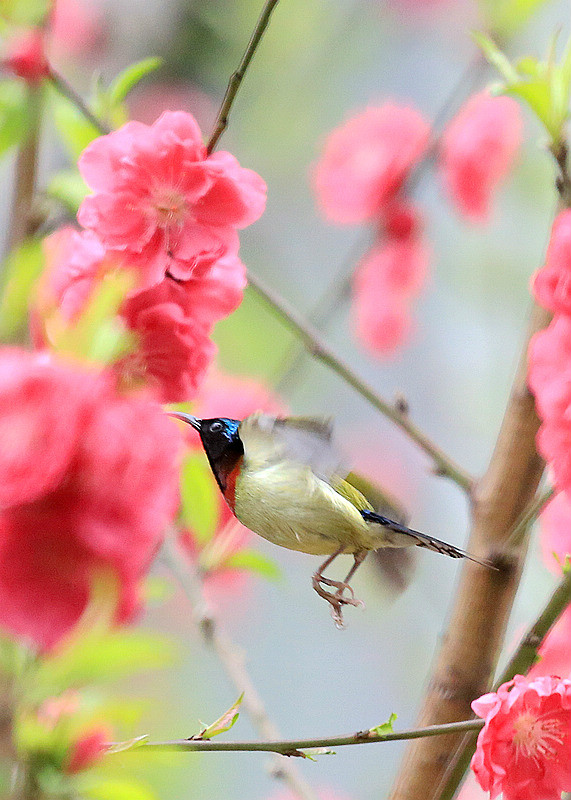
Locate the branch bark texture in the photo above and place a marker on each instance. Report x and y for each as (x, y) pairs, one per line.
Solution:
(465, 665)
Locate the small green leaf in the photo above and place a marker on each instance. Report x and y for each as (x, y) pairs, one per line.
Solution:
(199, 498)
(505, 17)
(21, 268)
(253, 561)
(130, 77)
(14, 117)
(496, 57)
(129, 744)
(223, 723)
(68, 188)
(25, 13)
(385, 727)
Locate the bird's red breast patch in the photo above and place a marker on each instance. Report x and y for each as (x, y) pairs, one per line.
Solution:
(230, 483)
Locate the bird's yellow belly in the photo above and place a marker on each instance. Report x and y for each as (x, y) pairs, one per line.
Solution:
(291, 507)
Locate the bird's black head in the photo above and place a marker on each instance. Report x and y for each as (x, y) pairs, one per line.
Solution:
(221, 442)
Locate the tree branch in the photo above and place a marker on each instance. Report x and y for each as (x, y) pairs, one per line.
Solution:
(64, 88)
(443, 464)
(484, 599)
(294, 747)
(233, 662)
(520, 663)
(237, 77)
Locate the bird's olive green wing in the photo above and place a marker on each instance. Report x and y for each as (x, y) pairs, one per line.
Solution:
(350, 493)
(303, 440)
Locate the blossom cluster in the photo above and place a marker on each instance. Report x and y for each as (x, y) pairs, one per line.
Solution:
(361, 177)
(550, 356)
(88, 483)
(167, 211)
(523, 748)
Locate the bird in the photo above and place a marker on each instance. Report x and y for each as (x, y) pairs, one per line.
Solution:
(284, 479)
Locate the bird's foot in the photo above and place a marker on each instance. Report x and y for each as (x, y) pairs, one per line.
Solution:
(335, 599)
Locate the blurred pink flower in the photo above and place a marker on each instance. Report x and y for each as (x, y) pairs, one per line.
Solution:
(109, 490)
(549, 376)
(555, 522)
(366, 160)
(551, 285)
(387, 280)
(471, 789)
(76, 27)
(554, 444)
(88, 749)
(25, 55)
(161, 201)
(555, 652)
(478, 150)
(523, 748)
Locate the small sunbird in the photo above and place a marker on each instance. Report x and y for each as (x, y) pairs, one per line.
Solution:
(283, 479)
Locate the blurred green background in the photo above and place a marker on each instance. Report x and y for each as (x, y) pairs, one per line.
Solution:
(321, 61)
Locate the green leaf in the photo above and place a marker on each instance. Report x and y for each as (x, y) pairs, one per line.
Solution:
(496, 57)
(199, 498)
(537, 95)
(129, 744)
(21, 268)
(253, 561)
(13, 656)
(99, 658)
(223, 723)
(14, 117)
(68, 188)
(130, 77)
(385, 727)
(103, 788)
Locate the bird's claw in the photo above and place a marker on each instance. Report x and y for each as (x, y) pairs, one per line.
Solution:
(336, 599)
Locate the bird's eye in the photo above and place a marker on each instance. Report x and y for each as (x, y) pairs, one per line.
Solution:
(215, 427)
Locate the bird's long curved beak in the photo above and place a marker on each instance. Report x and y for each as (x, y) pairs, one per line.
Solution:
(194, 421)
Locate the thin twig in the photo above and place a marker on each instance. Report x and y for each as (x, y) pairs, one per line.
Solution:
(64, 88)
(237, 77)
(443, 464)
(232, 660)
(520, 663)
(294, 747)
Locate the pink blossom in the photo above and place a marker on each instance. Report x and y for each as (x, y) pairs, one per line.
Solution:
(523, 748)
(549, 375)
(554, 444)
(26, 57)
(551, 285)
(88, 749)
(173, 349)
(76, 27)
(110, 490)
(388, 278)
(478, 150)
(172, 320)
(162, 202)
(555, 522)
(366, 160)
(555, 652)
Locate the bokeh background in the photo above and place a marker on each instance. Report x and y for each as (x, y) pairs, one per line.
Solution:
(320, 62)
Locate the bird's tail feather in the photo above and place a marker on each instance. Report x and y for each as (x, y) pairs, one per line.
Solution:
(422, 539)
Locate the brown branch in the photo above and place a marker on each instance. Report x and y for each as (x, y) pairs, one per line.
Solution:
(466, 663)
